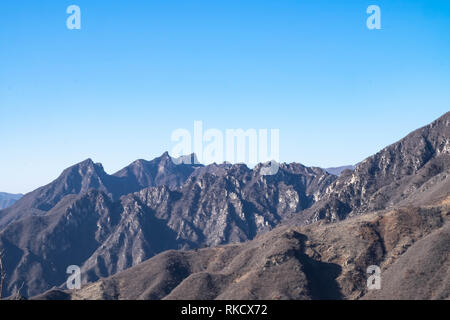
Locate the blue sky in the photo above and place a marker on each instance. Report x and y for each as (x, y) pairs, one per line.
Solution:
(115, 90)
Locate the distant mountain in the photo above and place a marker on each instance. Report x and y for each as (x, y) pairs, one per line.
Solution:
(413, 170)
(217, 204)
(338, 170)
(88, 175)
(311, 262)
(8, 199)
(233, 205)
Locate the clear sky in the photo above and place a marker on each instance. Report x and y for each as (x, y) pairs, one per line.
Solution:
(115, 90)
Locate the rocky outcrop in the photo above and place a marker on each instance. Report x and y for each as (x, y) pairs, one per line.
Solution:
(104, 236)
(88, 175)
(319, 261)
(399, 174)
(160, 171)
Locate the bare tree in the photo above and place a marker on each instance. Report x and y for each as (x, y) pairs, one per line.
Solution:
(2, 274)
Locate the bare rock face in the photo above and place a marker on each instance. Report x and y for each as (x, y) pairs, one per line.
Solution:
(319, 261)
(270, 267)
(90, 228)
(208, 210)
(107, 224)
(397, 175)
(160, 171)
(88, 175)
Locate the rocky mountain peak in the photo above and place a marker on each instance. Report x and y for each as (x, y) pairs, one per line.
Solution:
(162, 170)
(400, 173)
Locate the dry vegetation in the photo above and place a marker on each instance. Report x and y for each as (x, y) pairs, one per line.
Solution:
(320, 261)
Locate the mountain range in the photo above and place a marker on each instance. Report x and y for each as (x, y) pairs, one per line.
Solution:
(91, 228)
(88, 175)
(165, 229)
(318, 261)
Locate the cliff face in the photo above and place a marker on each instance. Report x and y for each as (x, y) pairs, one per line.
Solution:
(319, 261)
(88, 175)
(89, 228)
(413, 170)
(109, 223)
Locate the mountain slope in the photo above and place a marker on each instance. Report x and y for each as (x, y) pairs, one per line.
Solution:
(38, 248)
(160, 171)
(319, 261)
(221, 204)
(397, 175)
(213, 207)
(209, 209)
(88, 175)
(268, 267)
(422, 272)
(8, 199)
(74, 180)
